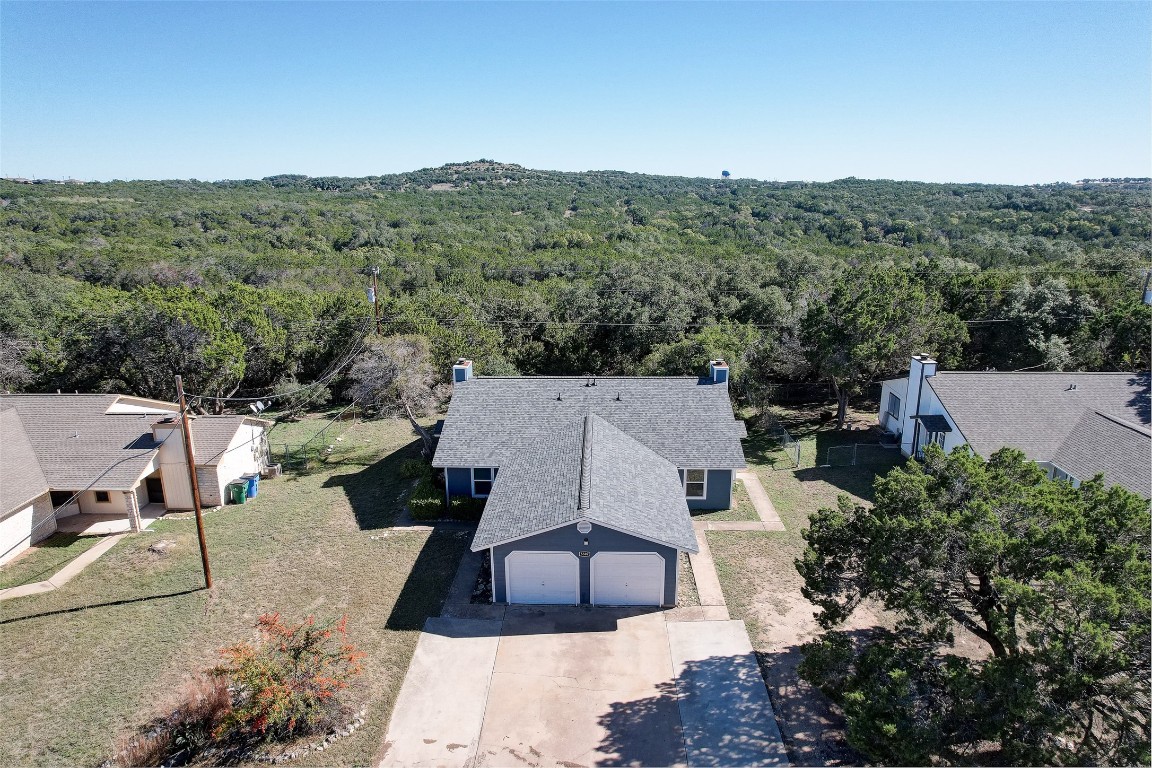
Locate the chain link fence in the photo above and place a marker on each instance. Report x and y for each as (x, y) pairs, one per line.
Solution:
(788, 444)
(861, 454)
(313, 450)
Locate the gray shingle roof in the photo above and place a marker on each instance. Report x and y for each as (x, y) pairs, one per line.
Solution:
(211, 436)
(1035, 411)
(1104, 444)
(21, 478)
(78, 445)
(686, 420)
(626, 486)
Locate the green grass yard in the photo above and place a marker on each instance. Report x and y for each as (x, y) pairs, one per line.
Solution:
(104, 653)
(761, 585)
(44, 559)
(741, 508)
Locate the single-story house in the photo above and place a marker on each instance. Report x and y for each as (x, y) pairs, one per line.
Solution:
(110, 455)
(1075, 425)
(589, 479)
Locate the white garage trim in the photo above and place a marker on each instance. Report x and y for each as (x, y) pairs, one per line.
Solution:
(569, 559)
(604, 557)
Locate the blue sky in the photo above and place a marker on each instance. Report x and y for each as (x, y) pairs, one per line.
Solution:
(935, 91)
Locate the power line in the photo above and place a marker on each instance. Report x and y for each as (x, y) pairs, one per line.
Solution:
(329, 374)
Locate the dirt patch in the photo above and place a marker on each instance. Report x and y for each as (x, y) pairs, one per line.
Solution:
(780, 621)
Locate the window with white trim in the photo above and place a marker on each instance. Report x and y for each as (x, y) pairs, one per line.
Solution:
(695, 483)
(937, 438)
(482, 479)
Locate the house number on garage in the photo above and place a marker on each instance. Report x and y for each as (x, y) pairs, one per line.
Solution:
(585, 554)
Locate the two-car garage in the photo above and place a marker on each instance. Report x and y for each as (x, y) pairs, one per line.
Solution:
(567, 577)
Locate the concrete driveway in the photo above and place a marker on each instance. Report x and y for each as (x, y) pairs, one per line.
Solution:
(583, 687)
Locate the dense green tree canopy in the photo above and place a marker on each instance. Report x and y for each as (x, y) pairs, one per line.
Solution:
(551, 273)
(1053, 581)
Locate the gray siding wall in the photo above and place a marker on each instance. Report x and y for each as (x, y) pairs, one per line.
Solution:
(568, 539)
(458, 481)
(719, 490)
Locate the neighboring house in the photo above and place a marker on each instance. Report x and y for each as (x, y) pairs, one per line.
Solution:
(112, 455)
(1075, 425)
(589, 480)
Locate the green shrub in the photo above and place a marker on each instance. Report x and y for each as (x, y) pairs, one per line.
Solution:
(411, 469)
(426, 501)
(466, 508)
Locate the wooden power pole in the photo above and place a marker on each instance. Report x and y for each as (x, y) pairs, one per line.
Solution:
(184, 428)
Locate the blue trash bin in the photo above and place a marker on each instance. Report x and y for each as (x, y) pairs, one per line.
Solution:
(253, 484)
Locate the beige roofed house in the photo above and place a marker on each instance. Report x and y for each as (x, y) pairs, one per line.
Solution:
(112, 459)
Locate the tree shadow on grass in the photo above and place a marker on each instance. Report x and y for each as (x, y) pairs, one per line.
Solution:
(857, 481)
(109, 604)
(812, 726)
(430, 578)
(377, 492)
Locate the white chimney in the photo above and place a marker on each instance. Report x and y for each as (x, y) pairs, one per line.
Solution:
(718, 371)
(921, 367)
(462, 371)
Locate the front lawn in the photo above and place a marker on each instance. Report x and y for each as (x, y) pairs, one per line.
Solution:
(44, 559)
(761, 585)
(104, 653)
(741, 508)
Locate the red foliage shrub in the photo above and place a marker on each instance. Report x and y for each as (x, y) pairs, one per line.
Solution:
(291, 682)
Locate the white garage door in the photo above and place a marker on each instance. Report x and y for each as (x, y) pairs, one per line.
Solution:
(543, 578)
(627, 578)
(15, 534)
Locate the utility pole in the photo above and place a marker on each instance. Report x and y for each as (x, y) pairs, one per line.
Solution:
(375, 297)
(195, 484)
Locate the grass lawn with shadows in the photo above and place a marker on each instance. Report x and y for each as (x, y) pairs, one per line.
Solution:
(741, 508)
(99, 656)
(761, 585)
(45, 558)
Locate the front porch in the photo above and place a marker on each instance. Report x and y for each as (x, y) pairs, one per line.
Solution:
(98, 524)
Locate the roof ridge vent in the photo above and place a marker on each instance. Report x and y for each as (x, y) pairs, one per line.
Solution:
(586, 466)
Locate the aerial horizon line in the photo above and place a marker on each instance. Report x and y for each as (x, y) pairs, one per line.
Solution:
(485, 161)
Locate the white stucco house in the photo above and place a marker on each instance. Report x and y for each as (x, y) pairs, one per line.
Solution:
(1075, 425)
(110, 457)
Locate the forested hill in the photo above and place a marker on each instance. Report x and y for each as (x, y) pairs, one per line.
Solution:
(250, 285)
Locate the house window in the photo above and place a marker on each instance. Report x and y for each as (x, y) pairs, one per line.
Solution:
(482, 478)
(102, 497)
(936, 438)
(893, 405)
(695, 483)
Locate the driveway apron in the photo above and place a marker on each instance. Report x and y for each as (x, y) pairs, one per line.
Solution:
(582, 687)
(724, 706)
(440, 709)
